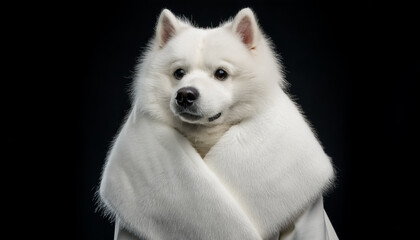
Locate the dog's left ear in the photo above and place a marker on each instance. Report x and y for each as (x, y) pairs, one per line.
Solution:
(246, 26)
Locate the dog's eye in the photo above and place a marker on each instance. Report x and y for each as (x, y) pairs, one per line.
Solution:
(220, 74)
(179, 73)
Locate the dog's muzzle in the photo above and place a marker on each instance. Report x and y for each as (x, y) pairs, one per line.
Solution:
(185, 99)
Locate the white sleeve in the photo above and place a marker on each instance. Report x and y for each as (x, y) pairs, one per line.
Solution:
(329, 228)
(313, 224)
(121, 233)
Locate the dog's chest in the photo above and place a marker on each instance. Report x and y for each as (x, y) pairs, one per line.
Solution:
(203, 139)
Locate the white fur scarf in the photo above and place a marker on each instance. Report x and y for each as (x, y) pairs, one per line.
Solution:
(258, 179)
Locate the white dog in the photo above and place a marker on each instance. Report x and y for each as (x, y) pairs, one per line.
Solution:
(213, 148)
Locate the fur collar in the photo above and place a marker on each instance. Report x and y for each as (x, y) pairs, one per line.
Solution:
(255, 181)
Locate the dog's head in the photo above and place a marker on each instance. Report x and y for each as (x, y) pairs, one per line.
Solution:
(206, 76)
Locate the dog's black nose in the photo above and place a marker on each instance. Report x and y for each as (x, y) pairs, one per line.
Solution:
(186, 96)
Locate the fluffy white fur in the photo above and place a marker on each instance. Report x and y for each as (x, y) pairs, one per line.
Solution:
(249, 174)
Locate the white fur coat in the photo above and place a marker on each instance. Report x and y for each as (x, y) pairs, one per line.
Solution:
(264, 177)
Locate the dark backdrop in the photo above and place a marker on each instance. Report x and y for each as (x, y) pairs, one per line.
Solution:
(353, 67)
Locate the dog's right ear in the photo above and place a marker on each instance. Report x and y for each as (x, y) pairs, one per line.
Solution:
(166, 28)
(246, 26)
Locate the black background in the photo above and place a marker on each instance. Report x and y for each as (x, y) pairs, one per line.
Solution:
(353, 68)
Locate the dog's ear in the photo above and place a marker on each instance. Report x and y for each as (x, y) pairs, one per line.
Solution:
(246, 26)
(166, 28)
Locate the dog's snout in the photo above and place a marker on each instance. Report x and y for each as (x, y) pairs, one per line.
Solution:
(186, 96)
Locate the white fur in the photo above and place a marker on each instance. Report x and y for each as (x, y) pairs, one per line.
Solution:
(246, 175)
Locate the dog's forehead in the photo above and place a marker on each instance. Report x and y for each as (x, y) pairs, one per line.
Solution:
(191, 39)
(199, 44)
(212, 37)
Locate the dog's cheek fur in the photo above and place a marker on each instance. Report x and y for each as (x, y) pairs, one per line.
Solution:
(257, 84)
(154, 96)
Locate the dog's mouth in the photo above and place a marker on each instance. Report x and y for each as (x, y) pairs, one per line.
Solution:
(211, 119)
(194, 117)
(190, 116)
